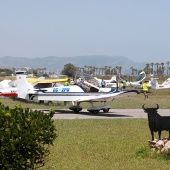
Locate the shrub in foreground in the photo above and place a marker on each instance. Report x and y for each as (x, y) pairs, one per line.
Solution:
(25, 136)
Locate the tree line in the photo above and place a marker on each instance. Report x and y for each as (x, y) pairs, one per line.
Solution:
(150, 68)
(158, 69)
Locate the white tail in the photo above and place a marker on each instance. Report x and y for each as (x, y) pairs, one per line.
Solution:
(22, 85)
(166, 83)
(113, 78)
(154, 83)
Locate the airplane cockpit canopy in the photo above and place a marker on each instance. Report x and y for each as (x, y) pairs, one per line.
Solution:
(80, 78)
(121, 77)
(13, 84)
(141, 76)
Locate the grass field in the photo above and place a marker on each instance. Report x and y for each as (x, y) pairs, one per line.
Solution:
(104, 145)
(107, 144)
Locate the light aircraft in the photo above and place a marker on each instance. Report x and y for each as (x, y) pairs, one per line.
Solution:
(8, 88)
(154, 84)
(85, 89)
(137, 83)
(109, 83)
(5, 84)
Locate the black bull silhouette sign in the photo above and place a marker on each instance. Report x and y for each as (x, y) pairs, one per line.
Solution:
(156, 122)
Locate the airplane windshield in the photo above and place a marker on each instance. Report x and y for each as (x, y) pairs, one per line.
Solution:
(140, 77)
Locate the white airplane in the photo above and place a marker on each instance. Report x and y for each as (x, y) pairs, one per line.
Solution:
(137, 83)
(154, 84)
(5, 84)
(85, 90)
(8, 88)
(109, 83)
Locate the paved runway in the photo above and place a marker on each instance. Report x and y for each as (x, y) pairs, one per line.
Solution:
(113, 113)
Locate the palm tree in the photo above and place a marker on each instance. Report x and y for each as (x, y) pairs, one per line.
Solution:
(157, 65)
(162, 68)
(100, 70)
(136, 71)
(168, 70)
(132, 70)
(120, 69)
(85, 67)
(39, 70)
(152, 65)
(147, 68)
(109, 67)
(94, 69)
(167, 67)
(13, 69)
(88, 67)
(114, 71)
(44, 69)
(103, 68)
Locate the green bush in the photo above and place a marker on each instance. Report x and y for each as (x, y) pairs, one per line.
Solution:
(25, 137)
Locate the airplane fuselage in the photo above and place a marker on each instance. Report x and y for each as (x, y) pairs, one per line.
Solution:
(9, 92)
(68, 93)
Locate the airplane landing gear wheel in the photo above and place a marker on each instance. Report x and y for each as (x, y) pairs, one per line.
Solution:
(41, 102)
(94, 111)
(76, 109)
(106, 110)
(50, 103)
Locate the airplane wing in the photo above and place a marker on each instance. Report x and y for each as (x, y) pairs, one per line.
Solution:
(53, 81)
(33, 80)
(107, 97)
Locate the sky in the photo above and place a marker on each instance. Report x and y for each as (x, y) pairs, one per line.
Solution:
(136, 29)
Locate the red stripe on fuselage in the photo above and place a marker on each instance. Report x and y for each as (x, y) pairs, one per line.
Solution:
(9, 94)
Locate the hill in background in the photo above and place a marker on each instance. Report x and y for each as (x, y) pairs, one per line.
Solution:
(56, 64)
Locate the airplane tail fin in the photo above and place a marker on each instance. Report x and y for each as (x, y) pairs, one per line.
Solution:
(166, 83)
(154, 83)
(113, 78)
(22, 85)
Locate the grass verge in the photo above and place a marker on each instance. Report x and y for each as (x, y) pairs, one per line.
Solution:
(104, 144)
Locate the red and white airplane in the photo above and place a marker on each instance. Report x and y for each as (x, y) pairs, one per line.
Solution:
(8, 88)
